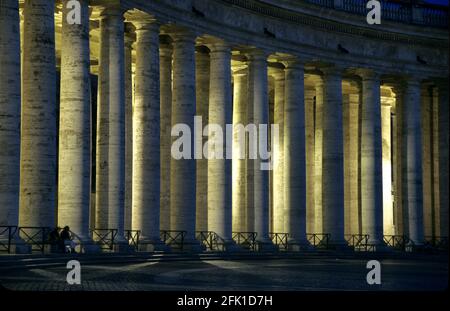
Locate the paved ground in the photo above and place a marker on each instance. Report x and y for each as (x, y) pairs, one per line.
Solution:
(269, 274)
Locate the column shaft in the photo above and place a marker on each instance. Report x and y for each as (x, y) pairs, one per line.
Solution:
(413, 146)
(219, 167)
(371, 157)
(294, 156)
(239, 199)
(165, 73)
(278, 154)
(332, 158)
(183, 171)
(309, 158)
(146, 134)
(74, 182)
(318, 153)
(9, 112)
(128, 131)
(202, 71)
(38, 124)
(110, 175)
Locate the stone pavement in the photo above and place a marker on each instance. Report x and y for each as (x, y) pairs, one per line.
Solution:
(321, 273)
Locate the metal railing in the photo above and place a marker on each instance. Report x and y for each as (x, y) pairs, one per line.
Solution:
(105, 238)
(133, 238)
(211, 240)
(6, 235)
(319, 240)
(246, 240)
(359, 242)
(280, 240)
(396, 241)
(173, 238)
(437, 242)
(37, 237)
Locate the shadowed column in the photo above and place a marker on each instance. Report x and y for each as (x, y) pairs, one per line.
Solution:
(38, 133)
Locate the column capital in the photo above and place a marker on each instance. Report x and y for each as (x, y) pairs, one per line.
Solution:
(278, 74)
(256, 55)
(293, 63)
(141, 20)
(182, 35)
(368, 73)
(333, 70)
(239, 70)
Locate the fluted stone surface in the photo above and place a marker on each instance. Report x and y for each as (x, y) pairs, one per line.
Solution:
(128, 130)
(388, 207)
(38, 124)
(309, 158)
(318, 143)
(74, 182)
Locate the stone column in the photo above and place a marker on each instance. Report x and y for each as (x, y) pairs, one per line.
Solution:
(110, 175)
(74, 181)
(249, 163)
(318, 143)
(412, 140)
(260, 113)
(239, 199)
(294, 156)
(278, 156)
(332, 158)
(146, 135)
(443, 129)
(388, 206)
(202, 72)
(9, 112)
(165, 74)
(351, 162)
(10, 120)
(129, 89)
(183, 171)
(397, 161)
(310, 94)
(38, 124)
(219, 166)
(371, 157)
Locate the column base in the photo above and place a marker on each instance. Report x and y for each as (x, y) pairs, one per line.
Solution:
(191, 246)
(412, 247)
(88, 246)
(266, 245)
(152, 245)
(230, 246)
(340, 246)
(121, 245)
(377, 246)
(299, 246)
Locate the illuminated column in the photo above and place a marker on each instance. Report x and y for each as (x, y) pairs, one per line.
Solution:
(249, 163)
(165, 74)
(443, 129)
(239, 199)
(309, 158)
(202, 96)
(412, 141)
(9, 112)
(294, 156)
(318, 143)
(371, 158)
(259, 96)
(146, 135)
(219, 165)
(128, 130)
(74, 180)
(38, 124)
(183, 171)
(110, 175)
(388, 207)
(351, 159)
(278, 154)
(332, 158)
